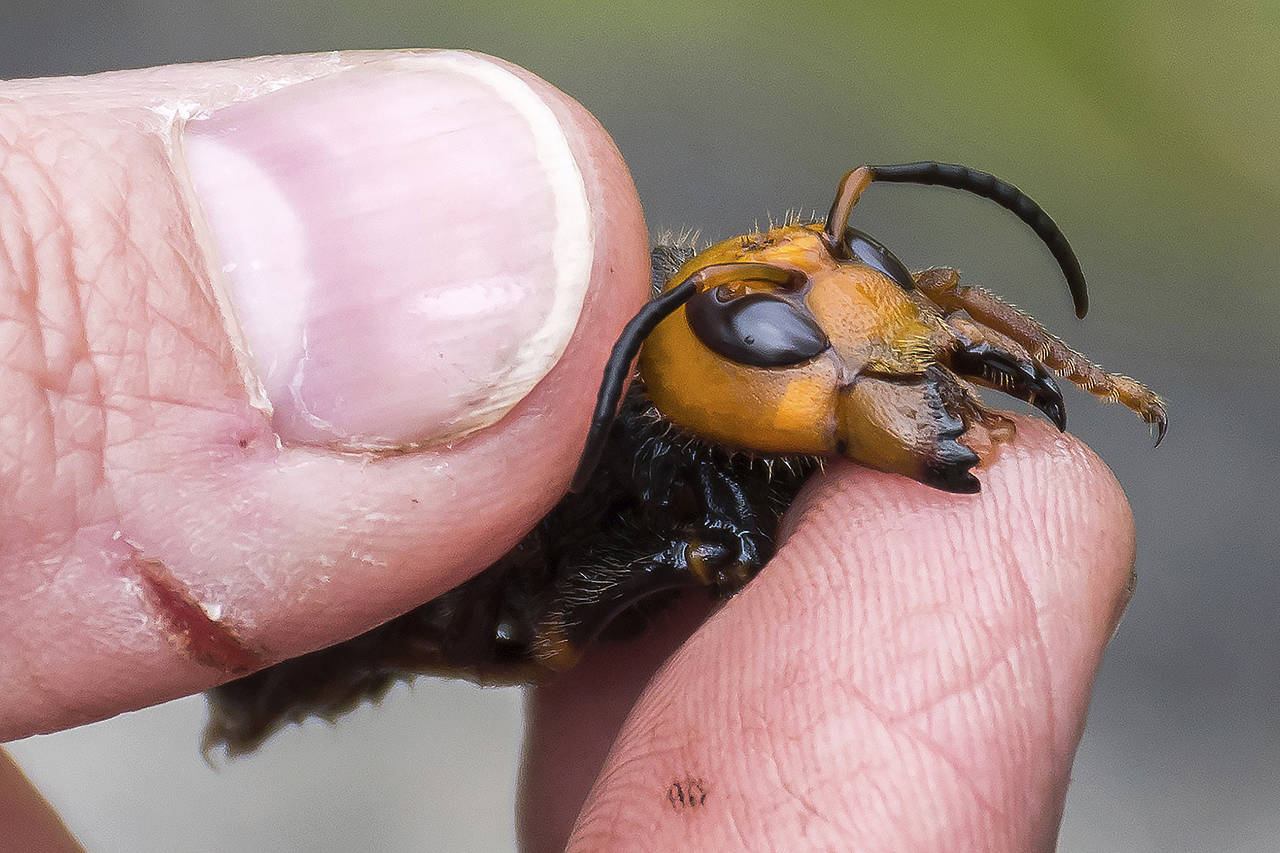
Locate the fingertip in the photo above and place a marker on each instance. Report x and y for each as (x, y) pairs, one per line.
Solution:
(1047, 546)
(1047, 501)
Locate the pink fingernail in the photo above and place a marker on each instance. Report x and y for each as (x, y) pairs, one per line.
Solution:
(405, 245)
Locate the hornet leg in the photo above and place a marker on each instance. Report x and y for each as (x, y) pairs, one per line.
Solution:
(942, 286)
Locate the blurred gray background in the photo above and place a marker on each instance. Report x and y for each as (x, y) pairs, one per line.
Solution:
(1147, 128)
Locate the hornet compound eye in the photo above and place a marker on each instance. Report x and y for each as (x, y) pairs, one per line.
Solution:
(757, 329)
(864, 248)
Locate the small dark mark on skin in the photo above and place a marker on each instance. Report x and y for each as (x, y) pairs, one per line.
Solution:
(197, 635)
(688, 793)
(244, 444)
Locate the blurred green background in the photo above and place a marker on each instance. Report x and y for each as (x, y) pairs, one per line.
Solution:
(1148, 129)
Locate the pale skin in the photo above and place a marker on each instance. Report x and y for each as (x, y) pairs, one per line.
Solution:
(912, 671)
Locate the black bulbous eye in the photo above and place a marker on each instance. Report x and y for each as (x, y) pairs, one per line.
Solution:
(757, 329)
(866, 249)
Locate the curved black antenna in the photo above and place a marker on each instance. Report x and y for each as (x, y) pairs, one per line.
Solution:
(627, 347)
(973, 181)
(618, 367)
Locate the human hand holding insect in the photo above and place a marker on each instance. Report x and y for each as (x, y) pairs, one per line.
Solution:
(927, 649)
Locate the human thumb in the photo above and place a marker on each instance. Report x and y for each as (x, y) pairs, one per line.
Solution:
(287, 346)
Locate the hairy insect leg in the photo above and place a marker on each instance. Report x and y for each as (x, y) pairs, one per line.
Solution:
(587, 602)
(721, 552)
(942, 286)
(971, 334)
(988, 358)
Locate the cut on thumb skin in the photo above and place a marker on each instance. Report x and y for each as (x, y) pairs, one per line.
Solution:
(289, 346)
(911, 672)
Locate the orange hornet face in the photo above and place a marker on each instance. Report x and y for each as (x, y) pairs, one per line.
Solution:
(827, 356)
(813, 338)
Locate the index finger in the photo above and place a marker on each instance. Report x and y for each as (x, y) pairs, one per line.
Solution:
(911, 671)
